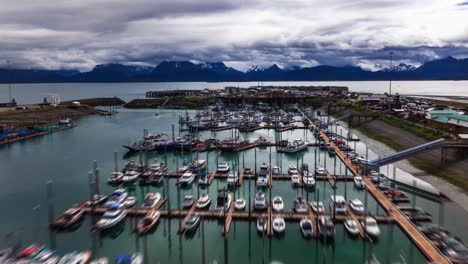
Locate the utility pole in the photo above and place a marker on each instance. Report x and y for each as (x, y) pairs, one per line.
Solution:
(9, 81)
(390, 86)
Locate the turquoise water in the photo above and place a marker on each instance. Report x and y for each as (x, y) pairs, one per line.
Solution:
(66, 158)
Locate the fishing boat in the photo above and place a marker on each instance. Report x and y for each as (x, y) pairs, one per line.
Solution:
(295, 180)
(187, 178)
(204, 201)
(338, 204)
(70, 217)
(352, 227)
(261, 224)
(278, 225)
(151, 200)
(326, 227)
(308, 180)
(223, 167)
(240, 204)
(358, 182)
(148, 222)
(295, 146)
(188, 201)
(292, 169)
(117, 197)
(232, 178)
(357, 206)
(300, 205)
(320, 170)
(371, 227)
(278, 205)
(111, 217)
(130, 176)
(260, 202)
(192, 222)
(317, 207)
(198, 165)
(307, 228)
(223, 201)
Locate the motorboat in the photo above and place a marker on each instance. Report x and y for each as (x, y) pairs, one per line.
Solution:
(115, 178)
(156, 178)
(70, 217)
(356, 206)
(300, 205)
(203, 179)
(111, 217)
(358, 182)
(118, 196)
(184, 167)
(232, 178)
(262, 179)
(148, 222)
(262, 141)
(295, 180)
(326, 227)
(188, 201)
(187, 178)
(29, 251)
(224, 200)
(371, 227)
(384, 185)
(352, 227)
(192, 222)
(278, 225)
(204, 201)
(102, 260)
(263, 166)
(129, 202)
(260, 202)
(223, 167)
(81, 257)
(262, 224)
(275, 170)
(198, 165)
(295, 146)
(136, 258)
(278, 205)
(151, 199)
(317, 207)
(130, 176)
(96, 199)
(307, 228)
(320, 170)
(240, 204)
(292, 169)
(338, 204)
(308, 180)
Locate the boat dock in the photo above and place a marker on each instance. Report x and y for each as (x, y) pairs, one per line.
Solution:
(432, 252)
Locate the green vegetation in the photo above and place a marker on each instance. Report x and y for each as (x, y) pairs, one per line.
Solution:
(414, 128)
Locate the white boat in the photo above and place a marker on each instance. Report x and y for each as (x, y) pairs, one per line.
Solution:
(308, 180)
(357, 206)
(96, 199)
(351, 227)
(148, 222)
(295, 146)
(261, 224)
(102, 260)
(275, 170)
(192, 223)
(295, 180)
(260, 201)
(223, 167)
(262, 179)
(278, 225)
(263, 166)
(151, 199)
(188, 201)
(278, 204)
(317, 207)
(300, 205)
(115, 178)
(338, 203)
(111, 217)
(184, 167)
(292, 169)
(262, 141)
(326, 227)
(204, 201)
(320, 170)
(371, 227)
(232, 178)
(117, 197)
(223, 201)
(130, 201)
(240, 204)
(358, 182)
(130, 176)
(198, 165)
(81, 258)
(307, 228)
(187, 178)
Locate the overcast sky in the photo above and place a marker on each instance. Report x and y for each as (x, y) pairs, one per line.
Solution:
(78, 34)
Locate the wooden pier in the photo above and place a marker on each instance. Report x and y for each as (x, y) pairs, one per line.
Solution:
(184, 221)
(228, 220)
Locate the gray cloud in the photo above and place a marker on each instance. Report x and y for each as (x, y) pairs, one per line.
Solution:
(79, 34)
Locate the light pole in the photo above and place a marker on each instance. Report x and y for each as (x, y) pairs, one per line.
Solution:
(390, 86)
(9, 80)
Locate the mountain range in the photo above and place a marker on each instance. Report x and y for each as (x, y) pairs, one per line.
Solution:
(185, 71)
